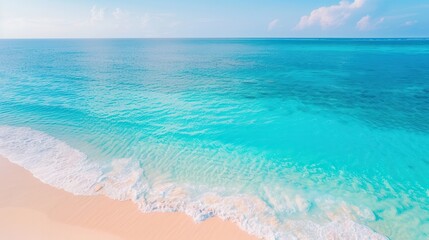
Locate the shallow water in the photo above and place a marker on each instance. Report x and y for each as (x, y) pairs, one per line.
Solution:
(290, 139)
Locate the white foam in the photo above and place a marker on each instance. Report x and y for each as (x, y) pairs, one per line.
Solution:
(49, 159)
(56, 163)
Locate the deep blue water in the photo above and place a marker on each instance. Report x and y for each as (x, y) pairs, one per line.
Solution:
(304, 138)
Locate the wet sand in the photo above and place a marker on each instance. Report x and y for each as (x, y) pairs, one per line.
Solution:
(32, 210)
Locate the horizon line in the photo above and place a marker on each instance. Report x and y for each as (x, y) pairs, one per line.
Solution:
(220, 38)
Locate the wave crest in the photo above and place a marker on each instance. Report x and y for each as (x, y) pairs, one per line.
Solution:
(58, 164)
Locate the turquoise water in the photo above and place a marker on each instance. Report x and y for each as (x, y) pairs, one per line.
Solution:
(290, 139)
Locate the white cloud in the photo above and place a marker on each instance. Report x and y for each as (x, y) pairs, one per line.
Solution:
(363, 23)
(97, 14)
(409, 23)
(145, 20)
(366, 23)
(119, 14)
(43, 27)
(330, 16)
(92, 22)
(158, 24)
(272, 24)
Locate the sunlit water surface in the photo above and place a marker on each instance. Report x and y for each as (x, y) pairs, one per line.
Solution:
(290, 139)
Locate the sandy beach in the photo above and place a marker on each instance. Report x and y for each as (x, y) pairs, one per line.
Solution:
(32, 210)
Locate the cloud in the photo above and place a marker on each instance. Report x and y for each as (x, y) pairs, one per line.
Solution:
(41, 27)
(145, 20)
(158, 24)
(93, 22)
(119, 14)
(409, 23)
(366, 23)
(97, 14)
(331, 16)
(272, 24)
(363, 23)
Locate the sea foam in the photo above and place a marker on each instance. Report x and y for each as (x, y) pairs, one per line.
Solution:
(58, 164)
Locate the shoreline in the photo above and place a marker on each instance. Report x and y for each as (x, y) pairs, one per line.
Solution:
(31, 209)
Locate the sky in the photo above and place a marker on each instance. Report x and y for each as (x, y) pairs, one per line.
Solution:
(220, 18)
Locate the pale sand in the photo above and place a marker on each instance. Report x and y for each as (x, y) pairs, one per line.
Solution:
(32, 210)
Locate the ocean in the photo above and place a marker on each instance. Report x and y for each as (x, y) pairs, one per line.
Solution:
(288, 138)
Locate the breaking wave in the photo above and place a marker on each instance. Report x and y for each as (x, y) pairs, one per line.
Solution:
(60, 165)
